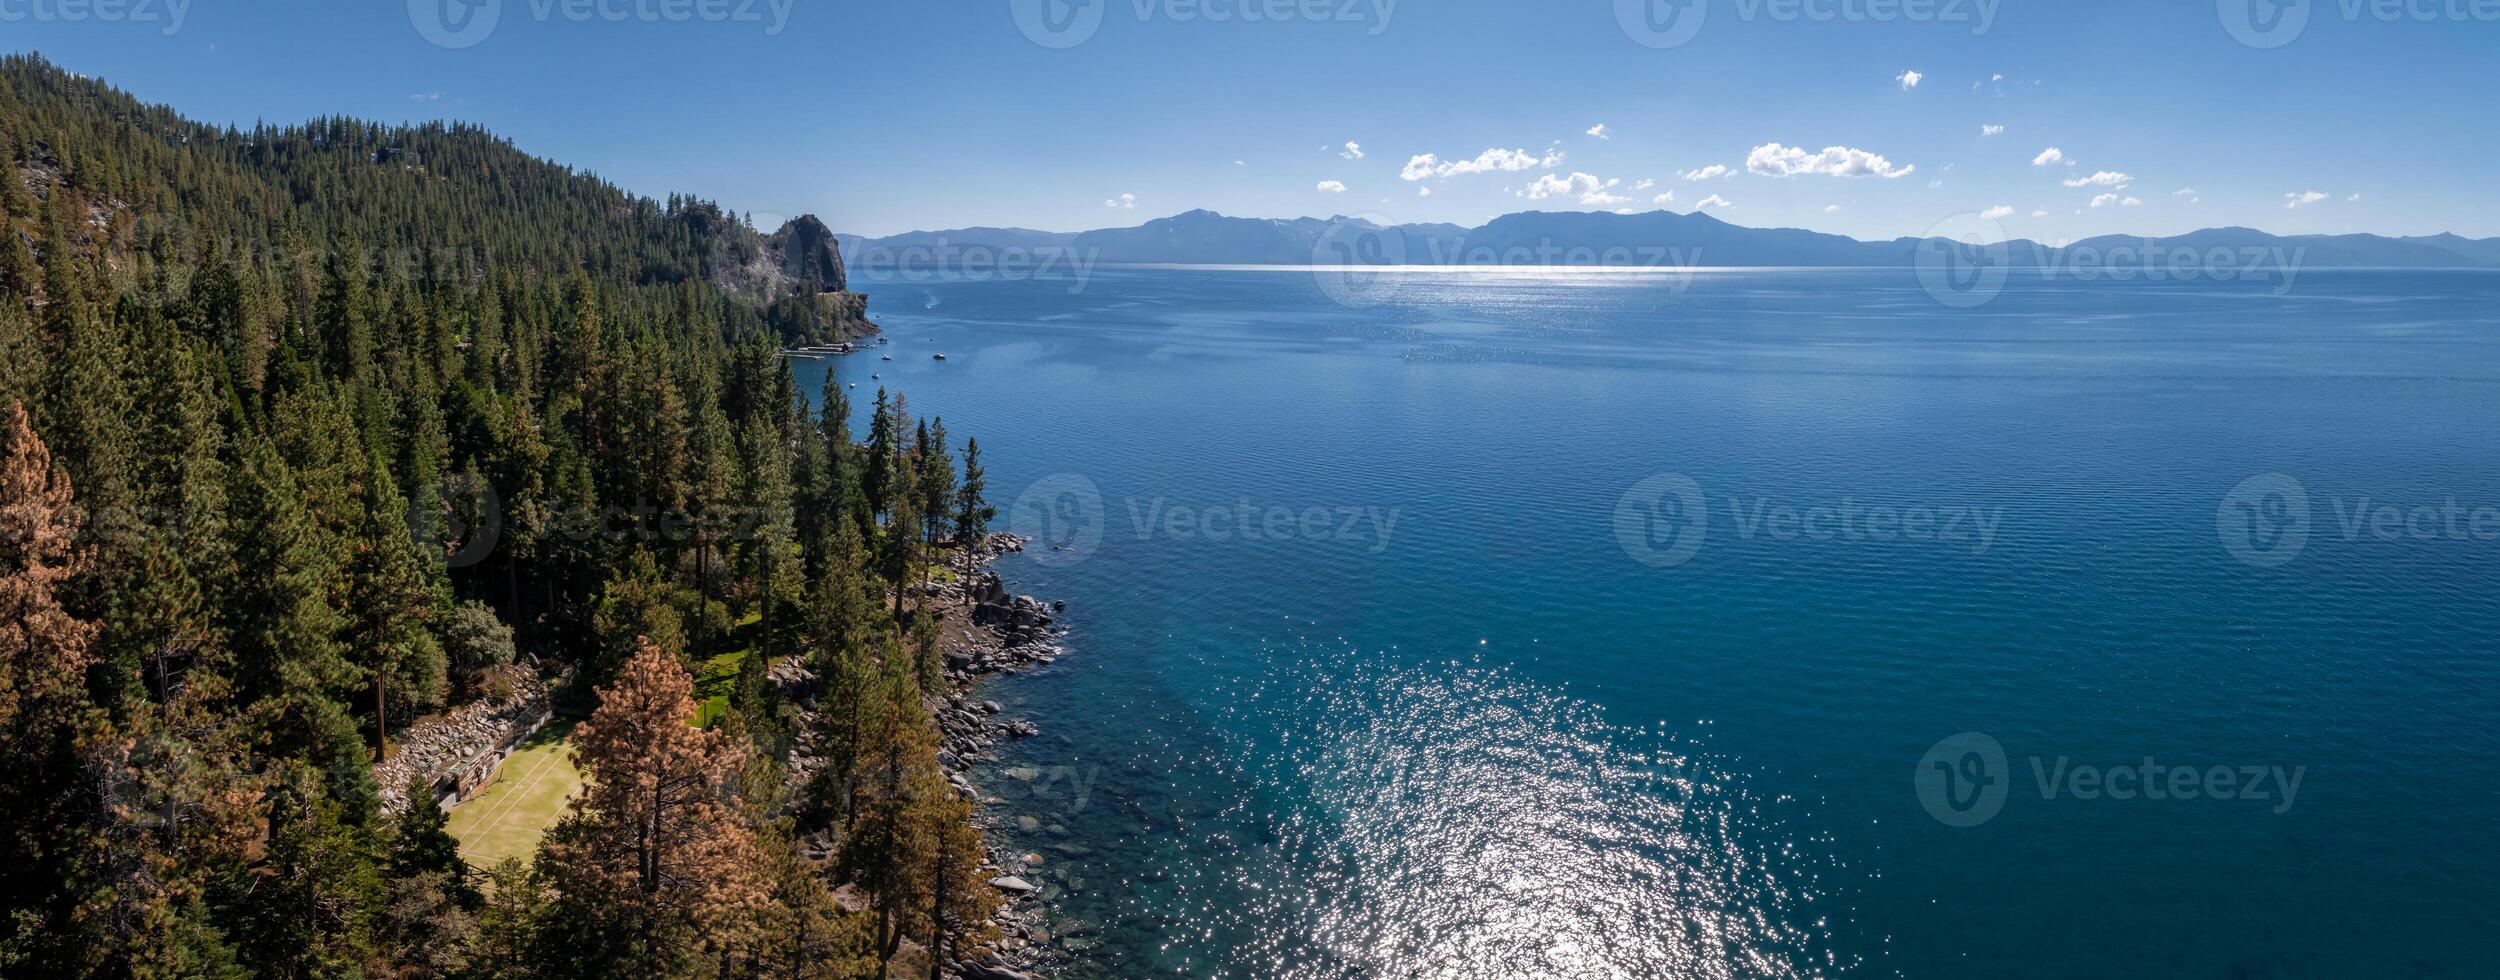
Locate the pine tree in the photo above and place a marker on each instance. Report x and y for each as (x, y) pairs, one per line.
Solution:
(654, 855)
(342, 317)
(936, 481)
(848, 622)
(44, 655)
(711, 480)
(428, 919)
(898, 556)
(392, 607)
(877, 481)
(769, 553)
(43, 649)
(639, 605)
(961, 900)
(311, 908)
(805, 933)
(279, 614)
(972, 508)
(913, 847)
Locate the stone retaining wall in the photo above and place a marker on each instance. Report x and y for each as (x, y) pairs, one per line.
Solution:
(458, 753)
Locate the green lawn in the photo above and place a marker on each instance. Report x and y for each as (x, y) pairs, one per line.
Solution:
(507, 820)
(717, 678)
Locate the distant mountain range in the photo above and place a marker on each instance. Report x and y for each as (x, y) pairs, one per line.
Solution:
(1656, 238)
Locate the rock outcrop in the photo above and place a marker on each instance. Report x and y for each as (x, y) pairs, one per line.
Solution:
(810, 256)
(795, 273)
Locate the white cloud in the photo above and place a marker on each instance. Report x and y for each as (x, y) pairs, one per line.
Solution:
(1600, 132)
(1996, 78)
(1589, 188)
(1645, 184)
(2049, 156)
(2104, 200)
(427, 97)
(1831, 209)
(2355, 199)
(2184, 192)
(1332, 186)
(2000, 211)
(2105, 178)
(1933, 184)
(1713, 201)
(1706, 173)
(1123, 201)
(1490, 161)
(1423, 192)
(1774, 160)
(1666, 198)
(2303, 199)
(1240, 163)
(1908, 79)
(1986, 129)
(1353, 151)
(2040, 213)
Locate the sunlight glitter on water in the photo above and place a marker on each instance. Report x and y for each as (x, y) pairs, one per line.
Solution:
(1473, 826)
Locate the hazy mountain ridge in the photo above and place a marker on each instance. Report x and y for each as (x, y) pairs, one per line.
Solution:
(1661, 238)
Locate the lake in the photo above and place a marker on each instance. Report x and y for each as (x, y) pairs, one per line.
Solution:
(1765, 623)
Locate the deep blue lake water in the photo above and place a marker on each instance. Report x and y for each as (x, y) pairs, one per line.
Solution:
(1398, 648)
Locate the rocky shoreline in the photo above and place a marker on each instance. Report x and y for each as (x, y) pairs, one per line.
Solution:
(986, 632)
(1003, 634)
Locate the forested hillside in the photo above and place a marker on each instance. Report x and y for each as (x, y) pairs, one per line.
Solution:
(307, 432)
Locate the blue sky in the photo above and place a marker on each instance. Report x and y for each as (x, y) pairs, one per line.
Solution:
(884, 117)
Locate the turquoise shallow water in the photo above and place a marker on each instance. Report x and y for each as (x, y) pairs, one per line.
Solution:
(1502, 706)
